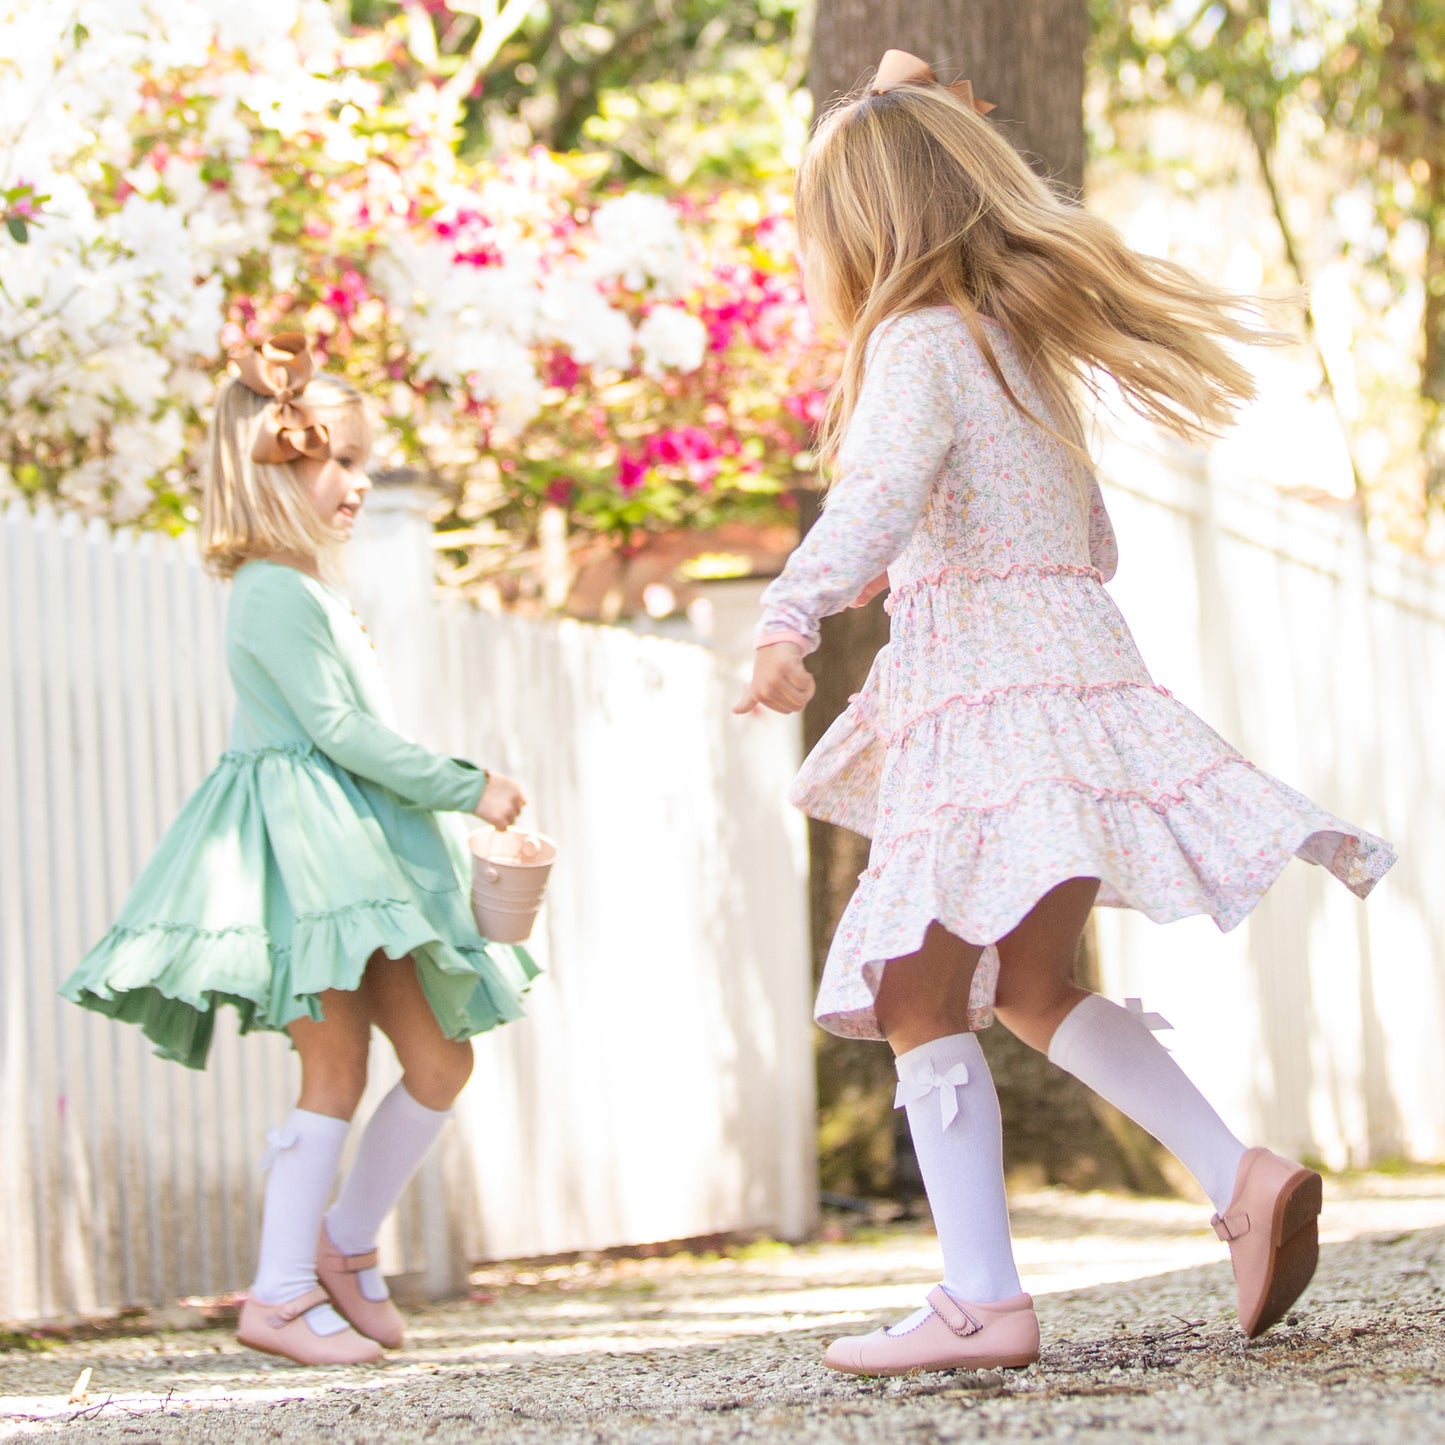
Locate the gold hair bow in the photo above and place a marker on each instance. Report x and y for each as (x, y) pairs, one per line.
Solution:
(898, 67)
(280, 368)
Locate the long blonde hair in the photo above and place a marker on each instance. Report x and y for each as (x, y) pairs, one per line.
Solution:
(911, 199)
(250, 508)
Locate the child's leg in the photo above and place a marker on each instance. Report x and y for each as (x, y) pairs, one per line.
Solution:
(305, 1152)
(953, 1114)
(1267, 1207)
(406, 1122)
(1110, 1049)
(979, 1317)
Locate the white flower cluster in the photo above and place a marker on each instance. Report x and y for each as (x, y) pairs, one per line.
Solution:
(671, 339)
(102, 316)
(480, 326)
(468, 325)
(106, 310)
(640, 241)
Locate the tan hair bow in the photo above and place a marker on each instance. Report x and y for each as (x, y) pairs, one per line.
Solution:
(898, 67)
(280, 368)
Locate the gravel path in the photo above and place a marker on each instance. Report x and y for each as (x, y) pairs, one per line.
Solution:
(1136, 1306)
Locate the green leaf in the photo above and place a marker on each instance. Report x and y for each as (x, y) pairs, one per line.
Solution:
(19, 231)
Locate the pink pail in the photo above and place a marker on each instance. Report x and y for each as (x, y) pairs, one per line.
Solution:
(509, 878)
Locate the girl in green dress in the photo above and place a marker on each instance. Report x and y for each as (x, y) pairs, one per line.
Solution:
(318, 881)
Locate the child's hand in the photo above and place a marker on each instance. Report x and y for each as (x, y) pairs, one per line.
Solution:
(501, 801)
(780, 681)
(877, 585)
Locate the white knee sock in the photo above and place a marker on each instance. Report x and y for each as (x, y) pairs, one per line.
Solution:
(302, 1162)
(395, 1142)
(1112, 1051)
(958, 1137)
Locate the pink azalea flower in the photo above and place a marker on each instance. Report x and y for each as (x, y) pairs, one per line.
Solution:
(807, 406)
(631, 473)
(561, 370)
(347, 294)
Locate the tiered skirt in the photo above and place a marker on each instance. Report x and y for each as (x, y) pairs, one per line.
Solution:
(1039, 751)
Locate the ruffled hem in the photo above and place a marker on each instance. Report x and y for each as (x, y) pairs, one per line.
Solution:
(171, 978)
(1214, 847)
(280, 878)
(839, 780)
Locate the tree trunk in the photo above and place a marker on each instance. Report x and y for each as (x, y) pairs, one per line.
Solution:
(1029, 61)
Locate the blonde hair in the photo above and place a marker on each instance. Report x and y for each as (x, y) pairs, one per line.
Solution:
(911, 199)
(250, 508)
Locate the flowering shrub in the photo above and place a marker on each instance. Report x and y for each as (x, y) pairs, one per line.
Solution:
(180, 177)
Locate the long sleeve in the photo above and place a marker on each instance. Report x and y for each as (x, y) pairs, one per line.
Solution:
(286, 630)
(901, 430)
(1103, 546)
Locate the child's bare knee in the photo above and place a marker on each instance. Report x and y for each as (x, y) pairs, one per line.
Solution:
(1031, 1007)
(435, 1080)
(909, 1022)
(335, 1078)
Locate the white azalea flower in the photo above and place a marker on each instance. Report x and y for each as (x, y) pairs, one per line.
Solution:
(505, 374)
(576, 314)
(671, 339)
(192, 386)
(226, 133)
(640, 240)
(198, 328)
(82, 484)
(154, 232)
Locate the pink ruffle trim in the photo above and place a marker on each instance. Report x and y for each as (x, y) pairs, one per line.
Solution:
(1158, 803)
(1079, 689)
(977, 574)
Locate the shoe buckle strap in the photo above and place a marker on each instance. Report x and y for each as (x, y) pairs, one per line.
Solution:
(292, 1309)
(1230, 1227)
(355, 1263)
(951, 1312)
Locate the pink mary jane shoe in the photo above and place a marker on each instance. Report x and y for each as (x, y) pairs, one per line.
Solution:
(1272, 1229)
(1003, 1335)
(377, 1319)
(282, 1330)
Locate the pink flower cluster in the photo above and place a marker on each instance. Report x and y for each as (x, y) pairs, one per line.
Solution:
(756, 307)
(472, 235)
(621, 449)
(688, 451)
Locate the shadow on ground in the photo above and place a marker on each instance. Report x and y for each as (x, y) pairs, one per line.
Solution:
(651, 1352)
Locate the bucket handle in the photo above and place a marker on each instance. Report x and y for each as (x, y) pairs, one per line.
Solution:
(531, 846)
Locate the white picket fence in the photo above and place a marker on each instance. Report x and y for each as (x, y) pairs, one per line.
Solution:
(661, 1086)
(1318, 1026)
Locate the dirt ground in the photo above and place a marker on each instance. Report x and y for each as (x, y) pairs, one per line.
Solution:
(1135, 1297)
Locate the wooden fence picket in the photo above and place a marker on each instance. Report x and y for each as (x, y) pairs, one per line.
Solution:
(129, 1180)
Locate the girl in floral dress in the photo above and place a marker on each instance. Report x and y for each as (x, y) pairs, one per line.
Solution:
(1009, 755)
(318, 881)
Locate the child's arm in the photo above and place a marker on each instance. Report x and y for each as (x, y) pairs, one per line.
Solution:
(285, 629)
(900, 432)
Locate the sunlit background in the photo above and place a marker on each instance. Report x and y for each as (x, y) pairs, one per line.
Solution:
(552, 244)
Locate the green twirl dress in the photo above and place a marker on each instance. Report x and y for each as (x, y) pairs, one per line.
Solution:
(321, 837)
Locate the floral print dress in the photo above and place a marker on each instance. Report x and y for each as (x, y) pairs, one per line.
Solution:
(1009, 736)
